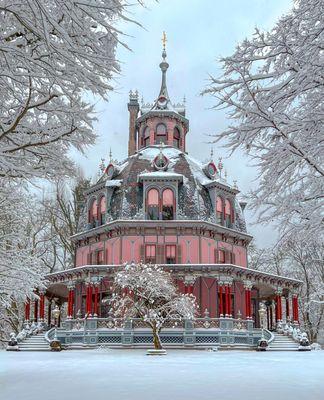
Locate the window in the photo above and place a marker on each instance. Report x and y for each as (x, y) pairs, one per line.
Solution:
(219, 210)
(153, 204)
(176, 137)
(170, 253)
(93, 211)
(160, 134)
(228, 213)
(167, 204)
(150, 253)
(102, 210)
(146, 136)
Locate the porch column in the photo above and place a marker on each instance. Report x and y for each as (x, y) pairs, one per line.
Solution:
(41, 306)
(278, 305)
(221, 304)
(96, 296)
(27, 310)
(70, 301)
(35, 310)
(248, 308)
(295, 308)
(88, 299)
(228, 298)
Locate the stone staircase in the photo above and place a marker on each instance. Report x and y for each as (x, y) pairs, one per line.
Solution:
(34, 343)
(282, 343)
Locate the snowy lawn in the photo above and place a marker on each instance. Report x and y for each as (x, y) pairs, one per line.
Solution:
(181, 375)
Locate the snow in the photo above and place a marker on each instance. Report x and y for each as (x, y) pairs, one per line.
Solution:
(114, 183)
(160, 174)
(181, 374)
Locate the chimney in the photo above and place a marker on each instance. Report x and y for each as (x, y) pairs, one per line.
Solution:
(133, 108)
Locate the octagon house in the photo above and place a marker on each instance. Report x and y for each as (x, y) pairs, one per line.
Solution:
(162, 206)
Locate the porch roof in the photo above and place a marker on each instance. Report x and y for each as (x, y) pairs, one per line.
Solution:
(218, 271)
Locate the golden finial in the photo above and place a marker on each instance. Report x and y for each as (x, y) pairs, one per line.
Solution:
(164, 40)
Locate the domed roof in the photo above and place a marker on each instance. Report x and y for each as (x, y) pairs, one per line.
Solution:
(194, 200)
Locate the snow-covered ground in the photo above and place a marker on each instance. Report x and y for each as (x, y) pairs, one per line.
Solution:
(181, 375)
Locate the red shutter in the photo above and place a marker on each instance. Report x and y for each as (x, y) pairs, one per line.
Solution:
(106, 257)
(160, 259)
(216, 256)
(89, 259)
(142, 255)
(227, 257)
(179, 255)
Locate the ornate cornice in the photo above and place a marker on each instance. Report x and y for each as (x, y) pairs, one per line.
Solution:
(199, 227)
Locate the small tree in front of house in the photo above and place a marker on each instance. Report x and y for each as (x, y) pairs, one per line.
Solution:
(149, 292)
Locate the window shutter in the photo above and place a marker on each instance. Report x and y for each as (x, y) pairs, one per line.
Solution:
(227, 257)
(179, 255)
(106, 256)
(142, 255)
(89, 259)
(216, 258)
(160, 259)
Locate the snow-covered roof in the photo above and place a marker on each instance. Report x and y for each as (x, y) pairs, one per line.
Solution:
(114, 183)
(160, 175)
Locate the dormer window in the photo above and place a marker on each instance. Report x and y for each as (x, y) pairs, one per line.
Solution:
(167, 204)
(102, 210)
(93, 212)
(153, 204)
(161, 134)
(219, 210)
(228, 213)
(176, 138)
(160, 206)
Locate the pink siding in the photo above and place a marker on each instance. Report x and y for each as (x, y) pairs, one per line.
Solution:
(207, 251)
(208, 298)
(225, 245)
(190, 249)
(170, 239)
(131, 248)
(240, 256)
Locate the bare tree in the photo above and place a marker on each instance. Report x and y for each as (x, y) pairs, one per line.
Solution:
(273, 87)
(54, 55)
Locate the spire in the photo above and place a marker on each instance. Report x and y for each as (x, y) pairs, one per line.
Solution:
(163, 98)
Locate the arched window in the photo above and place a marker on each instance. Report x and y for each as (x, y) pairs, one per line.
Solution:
(146, 136)
(167, 204)
(219, 210)
(102, 210)
(153, 204)
(93, 212)
(176, 137)
(160, 134)
(228, 213)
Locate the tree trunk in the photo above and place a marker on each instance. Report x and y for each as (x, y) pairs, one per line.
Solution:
(156, 338)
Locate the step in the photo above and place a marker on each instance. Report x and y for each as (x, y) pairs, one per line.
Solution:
(283, 349)
(36, 349)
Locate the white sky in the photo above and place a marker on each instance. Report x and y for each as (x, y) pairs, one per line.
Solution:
(199, 32)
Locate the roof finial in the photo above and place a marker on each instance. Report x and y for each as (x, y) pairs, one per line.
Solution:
(110, 155)
(211, 154)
